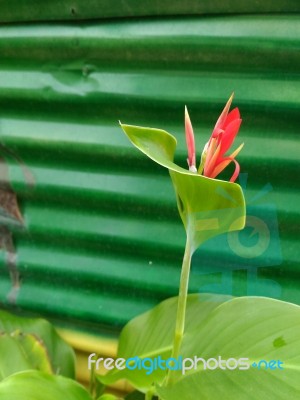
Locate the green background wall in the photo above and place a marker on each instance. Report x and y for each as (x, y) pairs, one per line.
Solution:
(103, 241)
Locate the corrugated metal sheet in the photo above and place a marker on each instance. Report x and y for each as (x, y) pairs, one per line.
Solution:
(49, 10)
(103, 241)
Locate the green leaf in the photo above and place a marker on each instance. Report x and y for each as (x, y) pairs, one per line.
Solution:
(151, 335)
(207, 207)
(60, 354)
(249, 327)
(108, 397)
(29, 385)
(21, 352)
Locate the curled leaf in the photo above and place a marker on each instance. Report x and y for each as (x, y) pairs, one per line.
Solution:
(207, 207)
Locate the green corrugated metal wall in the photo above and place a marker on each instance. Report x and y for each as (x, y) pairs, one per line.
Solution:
(103, 241)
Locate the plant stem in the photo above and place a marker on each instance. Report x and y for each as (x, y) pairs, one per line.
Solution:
(149, 394)
(181, 307)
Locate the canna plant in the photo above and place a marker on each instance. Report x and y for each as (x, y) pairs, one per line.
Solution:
(36, 363)
(207, 325)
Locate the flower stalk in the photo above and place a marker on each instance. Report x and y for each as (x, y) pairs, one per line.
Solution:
(213, 161)
(181, 307)
(198, 199)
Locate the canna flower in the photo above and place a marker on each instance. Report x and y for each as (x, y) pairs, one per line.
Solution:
(213, 159)
(207, 207)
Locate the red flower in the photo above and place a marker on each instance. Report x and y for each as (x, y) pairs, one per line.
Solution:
(213, 159)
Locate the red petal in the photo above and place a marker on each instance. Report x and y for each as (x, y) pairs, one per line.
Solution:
(223, 164)
(236, 171)
(229, 135)
(211, 161)
(222, 118)
(234, 114)
(190, 140)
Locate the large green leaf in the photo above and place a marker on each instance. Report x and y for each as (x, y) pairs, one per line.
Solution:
(208, 207)
(22, 352)
(151, 335)
(249, 327)
(35, 385)
(60, 354)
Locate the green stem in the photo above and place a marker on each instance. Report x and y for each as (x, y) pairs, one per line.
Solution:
(181, 307)
(149, 394)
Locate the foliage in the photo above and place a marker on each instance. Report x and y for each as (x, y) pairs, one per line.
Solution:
(29, 385)
(247, 327)
(33, 343)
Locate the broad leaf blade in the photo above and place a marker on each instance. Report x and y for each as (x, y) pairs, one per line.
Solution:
(151, 335)
(248, 327)
(37, 385)
(237, 385)
(61, 355)
(157, 144)
(21, 352)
